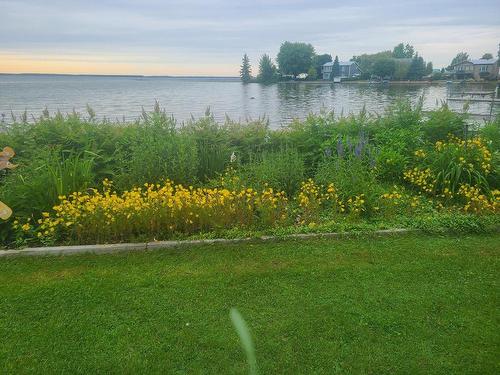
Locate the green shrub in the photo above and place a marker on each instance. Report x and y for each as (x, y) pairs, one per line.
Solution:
(401, 115)
(281, 170)
(210, 140)
(363, 156)
(491, 133)
(390, 164)
(352, 177)
(442, 122)
(153, 151)
(444, 168)
(36, 185)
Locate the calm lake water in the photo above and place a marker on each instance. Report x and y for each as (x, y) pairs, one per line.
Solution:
(123, 97)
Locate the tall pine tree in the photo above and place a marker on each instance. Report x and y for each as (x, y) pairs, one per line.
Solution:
(335, 68)
(267, 69)
(417, 68)
(246, 69)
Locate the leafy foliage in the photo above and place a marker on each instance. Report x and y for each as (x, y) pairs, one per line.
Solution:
(318, 61)
(295, 58)
(384, 67)
(282, 170)
(400, 163)
(402, 51)
(417, 68)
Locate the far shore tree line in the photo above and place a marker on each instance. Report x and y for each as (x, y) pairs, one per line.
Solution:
(296, 59)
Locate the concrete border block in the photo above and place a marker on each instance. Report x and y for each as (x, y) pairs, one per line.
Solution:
(158, 245)
(78, 249)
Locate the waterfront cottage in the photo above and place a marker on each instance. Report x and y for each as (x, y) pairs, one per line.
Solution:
(477, 69)
(348, 69)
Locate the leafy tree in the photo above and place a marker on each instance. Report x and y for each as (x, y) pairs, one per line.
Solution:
(402, 67)
(312, 73)
(367, 61)
(246, 69)
(319, 60)
(267, 69)
(437, 75)
(417, 68)
(487, 56)
(384, 67)
(461, 56)
(402, 51)
(429, 68)
(498, 53)
(335, 67)
(295, 58)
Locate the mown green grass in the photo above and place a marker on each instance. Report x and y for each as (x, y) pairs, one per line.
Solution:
(408, 304)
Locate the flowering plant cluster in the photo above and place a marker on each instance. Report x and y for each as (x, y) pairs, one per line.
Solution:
(314, 199)
(450, 174)
(456, 172)
(165, 210)
(157, 210)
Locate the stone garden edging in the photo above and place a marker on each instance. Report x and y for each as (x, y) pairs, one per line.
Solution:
(157, 245)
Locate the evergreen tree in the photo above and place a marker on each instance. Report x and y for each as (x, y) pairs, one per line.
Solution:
(409, 50)
(335, 68)
(246, 69)
(429, 68)
(461, 56)
(267, 69)
(417, 68)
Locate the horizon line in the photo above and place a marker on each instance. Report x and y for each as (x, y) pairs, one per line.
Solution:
(119, 75)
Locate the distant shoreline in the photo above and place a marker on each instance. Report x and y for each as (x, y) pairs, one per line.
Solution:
(233, 78)
(114, 75)
(237, 79)
(441, 82)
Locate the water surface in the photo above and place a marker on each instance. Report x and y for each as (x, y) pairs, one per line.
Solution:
(124, 97)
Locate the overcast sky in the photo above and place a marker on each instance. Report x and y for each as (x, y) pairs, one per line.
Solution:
(208, 37)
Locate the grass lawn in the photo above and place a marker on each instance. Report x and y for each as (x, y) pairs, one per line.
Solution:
(405, 304)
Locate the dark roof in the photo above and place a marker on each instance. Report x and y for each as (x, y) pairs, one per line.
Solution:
(341, 63)
(477, 62)
(484, 61)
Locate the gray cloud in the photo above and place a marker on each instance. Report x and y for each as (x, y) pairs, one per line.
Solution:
(176, 31)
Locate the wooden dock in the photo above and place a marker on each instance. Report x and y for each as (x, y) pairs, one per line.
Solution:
(474, 100)
(491, 98)
(478, 93)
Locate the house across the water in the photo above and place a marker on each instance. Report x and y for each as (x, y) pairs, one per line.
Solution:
(348, 69)
(477, 69)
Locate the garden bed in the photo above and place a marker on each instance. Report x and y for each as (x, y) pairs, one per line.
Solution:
(80, 181)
